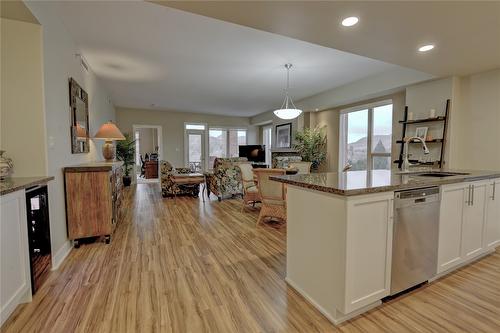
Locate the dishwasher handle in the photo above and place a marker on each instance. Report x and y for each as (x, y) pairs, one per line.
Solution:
(416, 197)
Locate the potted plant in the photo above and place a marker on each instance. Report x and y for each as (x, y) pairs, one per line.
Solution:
(125, 151)
(311, 145)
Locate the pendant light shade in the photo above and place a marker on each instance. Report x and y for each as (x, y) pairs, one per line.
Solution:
(288, 110)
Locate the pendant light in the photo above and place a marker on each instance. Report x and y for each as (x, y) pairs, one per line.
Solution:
(288, 110)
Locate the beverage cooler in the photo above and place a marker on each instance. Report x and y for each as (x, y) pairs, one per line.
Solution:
(37, 207)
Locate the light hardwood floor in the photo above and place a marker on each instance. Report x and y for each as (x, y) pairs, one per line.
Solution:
(186, 266)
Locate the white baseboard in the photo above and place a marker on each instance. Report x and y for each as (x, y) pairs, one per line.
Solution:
(61, 254)
(465, 263)
(325, 313)
(338, 317)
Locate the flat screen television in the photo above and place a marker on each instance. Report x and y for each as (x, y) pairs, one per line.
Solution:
(254, 153)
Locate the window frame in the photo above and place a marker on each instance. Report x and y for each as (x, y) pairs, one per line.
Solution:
(227, 129)
(343, 130)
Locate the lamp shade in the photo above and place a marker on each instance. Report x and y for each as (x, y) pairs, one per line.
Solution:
(109, 131)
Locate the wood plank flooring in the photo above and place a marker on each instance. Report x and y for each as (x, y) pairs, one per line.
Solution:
(186, 266)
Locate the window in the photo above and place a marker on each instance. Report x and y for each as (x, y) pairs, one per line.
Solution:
(199, 127)
(224, 142)
(366, 137)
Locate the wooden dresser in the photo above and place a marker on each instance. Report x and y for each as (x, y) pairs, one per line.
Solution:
(93, 199)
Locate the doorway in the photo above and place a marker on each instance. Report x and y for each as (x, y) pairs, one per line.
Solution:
(195, 150)
(148, 152)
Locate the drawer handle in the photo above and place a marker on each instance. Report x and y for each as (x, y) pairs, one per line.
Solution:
(494, 191)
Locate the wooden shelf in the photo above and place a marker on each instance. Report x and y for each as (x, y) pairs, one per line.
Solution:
(407, 122)
(418, 121)
(426, 141)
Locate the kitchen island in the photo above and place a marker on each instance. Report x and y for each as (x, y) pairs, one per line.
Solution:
(340, 231)
(16, 244)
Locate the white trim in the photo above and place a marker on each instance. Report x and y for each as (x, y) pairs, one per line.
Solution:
(159, 133)
(336, 320)
(366, 106)
(204, 133)
(61, 254)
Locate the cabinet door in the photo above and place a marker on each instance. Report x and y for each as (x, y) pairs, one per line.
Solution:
(453, 199)
(369, 251)
(15, 278)
(492, 227)
(473, 223)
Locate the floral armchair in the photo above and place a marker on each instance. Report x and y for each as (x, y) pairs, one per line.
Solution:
(169, 188)
(283, 162)
(225, 179)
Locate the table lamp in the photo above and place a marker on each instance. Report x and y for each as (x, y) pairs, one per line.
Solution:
(109, 132)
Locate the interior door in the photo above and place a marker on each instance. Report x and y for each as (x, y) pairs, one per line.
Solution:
(195, 157)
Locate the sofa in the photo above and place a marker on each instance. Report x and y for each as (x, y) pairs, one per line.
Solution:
(225, 179)
(169, 188)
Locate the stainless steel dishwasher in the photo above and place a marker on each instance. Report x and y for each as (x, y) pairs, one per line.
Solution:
(415, 242)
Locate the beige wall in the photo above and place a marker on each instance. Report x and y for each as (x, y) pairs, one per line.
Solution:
(22, 114)
(60, 63)
(330, 119)
(476, 140)
(172, 124)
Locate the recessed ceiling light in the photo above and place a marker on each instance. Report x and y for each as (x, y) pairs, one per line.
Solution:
(350, 21)
(426, 48)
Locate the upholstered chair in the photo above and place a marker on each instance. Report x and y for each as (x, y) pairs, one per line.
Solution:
(250, 190)
(303, 167)
(283, 162)
(168, 187)
(272, 195)
(225, 179)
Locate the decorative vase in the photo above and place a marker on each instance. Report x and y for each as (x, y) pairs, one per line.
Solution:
(127, 180)
(6, 166)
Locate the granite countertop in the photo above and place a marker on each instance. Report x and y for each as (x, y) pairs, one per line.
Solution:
(14, 184)
(93, 166)
(363, 182)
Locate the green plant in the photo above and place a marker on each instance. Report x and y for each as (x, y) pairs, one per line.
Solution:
(125, 151)
(311, 145)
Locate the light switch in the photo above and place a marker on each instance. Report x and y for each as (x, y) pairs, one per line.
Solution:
(52, 142)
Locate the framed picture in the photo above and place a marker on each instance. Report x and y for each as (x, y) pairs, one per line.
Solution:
(284, 135)
(421, 132)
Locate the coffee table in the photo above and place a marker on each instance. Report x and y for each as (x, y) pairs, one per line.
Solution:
(188, 179)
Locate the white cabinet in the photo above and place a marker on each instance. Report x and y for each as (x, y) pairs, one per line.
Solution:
(369, 250)
(462, 223)
(450, 226)
(492, 223)
(15, 280)
(473, 221)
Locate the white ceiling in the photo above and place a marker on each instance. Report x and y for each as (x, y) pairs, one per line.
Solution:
(466, 33)
(150, 54)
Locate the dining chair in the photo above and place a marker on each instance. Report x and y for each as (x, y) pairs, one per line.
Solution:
(250, 190)
(272, 195)
(303, 167)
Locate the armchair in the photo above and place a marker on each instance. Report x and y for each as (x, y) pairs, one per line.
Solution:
(225, 179)
(283, 162)
(169, 188)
